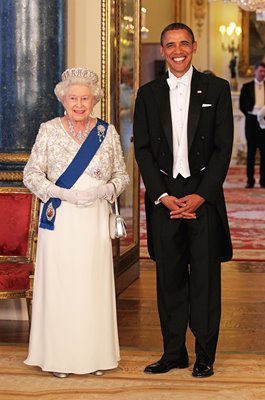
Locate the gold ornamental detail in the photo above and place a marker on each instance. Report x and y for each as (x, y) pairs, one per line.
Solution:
(200, 8)
(14, 157)
(11, 176)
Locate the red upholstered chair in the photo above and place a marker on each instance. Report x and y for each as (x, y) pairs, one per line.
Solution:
(18, 233)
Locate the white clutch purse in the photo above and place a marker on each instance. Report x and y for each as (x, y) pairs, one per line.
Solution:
(117, 225)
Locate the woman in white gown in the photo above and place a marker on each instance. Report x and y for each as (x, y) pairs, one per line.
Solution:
(74, 327)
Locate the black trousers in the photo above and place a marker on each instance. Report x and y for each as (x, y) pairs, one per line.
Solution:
(188, 277)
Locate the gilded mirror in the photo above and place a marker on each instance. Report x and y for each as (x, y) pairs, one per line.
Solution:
(128, 84)
(120, 81)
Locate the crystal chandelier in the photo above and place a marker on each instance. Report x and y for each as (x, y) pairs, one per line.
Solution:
(250, 5)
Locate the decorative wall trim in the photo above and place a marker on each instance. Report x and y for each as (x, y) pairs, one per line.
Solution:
(104, 56)
(177, 11)
(11, 176)
(14, 157)
(199, 11)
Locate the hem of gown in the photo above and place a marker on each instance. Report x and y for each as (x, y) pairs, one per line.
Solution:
(46, 369)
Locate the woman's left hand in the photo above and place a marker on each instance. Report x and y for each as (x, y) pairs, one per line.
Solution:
(98, 192)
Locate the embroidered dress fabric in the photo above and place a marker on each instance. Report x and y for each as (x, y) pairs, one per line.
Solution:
(75, 329)
(74, 326)
(83, 157)
(54, 150)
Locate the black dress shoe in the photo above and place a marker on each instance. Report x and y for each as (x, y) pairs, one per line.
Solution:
(162, 366)
(202, 369)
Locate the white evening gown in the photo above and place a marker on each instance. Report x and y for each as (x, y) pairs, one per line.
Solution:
(74, 327)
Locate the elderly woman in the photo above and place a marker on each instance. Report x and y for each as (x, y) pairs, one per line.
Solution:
(75, 166)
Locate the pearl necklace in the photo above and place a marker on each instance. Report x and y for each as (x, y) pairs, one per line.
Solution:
(80, 136)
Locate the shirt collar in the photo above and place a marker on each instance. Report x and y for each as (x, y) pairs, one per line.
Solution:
(258, 82)
(185, 79)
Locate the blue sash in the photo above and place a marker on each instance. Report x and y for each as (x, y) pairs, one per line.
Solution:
(74, 171)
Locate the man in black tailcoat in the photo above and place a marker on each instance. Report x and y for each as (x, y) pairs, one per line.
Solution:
(183, 134)
(252, 99)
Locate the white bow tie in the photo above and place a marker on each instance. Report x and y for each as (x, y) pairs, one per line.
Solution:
(173, 82)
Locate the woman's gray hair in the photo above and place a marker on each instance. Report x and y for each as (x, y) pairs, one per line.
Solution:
(82, 76)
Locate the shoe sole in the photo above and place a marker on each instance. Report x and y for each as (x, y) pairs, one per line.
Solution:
(202, 376)
(164, 372)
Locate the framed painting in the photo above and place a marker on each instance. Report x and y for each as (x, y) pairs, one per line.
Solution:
(252, 44)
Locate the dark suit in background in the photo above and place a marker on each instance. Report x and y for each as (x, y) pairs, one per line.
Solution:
(188, 252)
(255, 136)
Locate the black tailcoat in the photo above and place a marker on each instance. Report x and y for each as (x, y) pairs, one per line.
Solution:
(255, 136)
(210, 139)
(188, 253)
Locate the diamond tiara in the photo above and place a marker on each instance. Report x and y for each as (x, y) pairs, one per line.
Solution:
(80, 73)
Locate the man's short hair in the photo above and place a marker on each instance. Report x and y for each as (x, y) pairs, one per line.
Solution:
(175, 26)
(259, 64)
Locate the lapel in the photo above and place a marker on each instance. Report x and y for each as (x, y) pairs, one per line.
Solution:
(252, 92)
(161, 93)
(197, 95)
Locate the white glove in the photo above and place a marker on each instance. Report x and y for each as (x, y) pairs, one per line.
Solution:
(106, 191)
(82, 197)
(77, 197)
(99, 192)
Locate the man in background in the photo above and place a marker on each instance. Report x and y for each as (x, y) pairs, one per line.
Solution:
(252, 99)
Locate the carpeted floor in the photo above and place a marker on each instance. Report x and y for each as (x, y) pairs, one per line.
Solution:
(236, 377)
(246, 213)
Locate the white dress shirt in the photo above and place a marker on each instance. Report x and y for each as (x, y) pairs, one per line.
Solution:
(179, 95)
(259, 97)
(259, 94)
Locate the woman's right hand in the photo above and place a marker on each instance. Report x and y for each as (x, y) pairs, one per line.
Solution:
(72, 196)
(77, 197)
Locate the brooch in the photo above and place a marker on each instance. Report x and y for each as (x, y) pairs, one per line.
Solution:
(97, 173)
(101, 132)
(50, 212)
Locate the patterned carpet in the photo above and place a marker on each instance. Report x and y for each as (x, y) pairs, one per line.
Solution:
(246, 213)
(236, 377)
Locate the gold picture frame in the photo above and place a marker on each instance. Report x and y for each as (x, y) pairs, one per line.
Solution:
(13, 159)
(252, 44)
